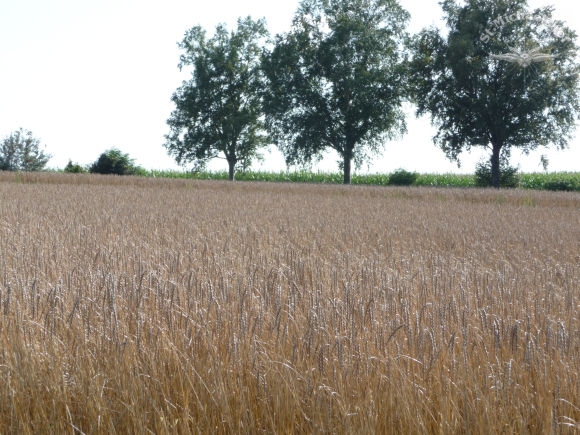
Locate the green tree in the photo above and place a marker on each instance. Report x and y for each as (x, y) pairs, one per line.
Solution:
(113, 161)
(504, 102)
(218, 112)
(337, 81)
(21, 151)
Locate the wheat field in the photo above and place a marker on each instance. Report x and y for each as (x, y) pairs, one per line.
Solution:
(132, 305)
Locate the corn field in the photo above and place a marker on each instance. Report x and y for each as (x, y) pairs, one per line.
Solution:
(555, 181)
(144, 305)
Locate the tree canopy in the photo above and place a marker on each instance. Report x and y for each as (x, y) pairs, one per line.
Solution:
(21, 151)
(218, 111)
(337, 80)
(504, 77)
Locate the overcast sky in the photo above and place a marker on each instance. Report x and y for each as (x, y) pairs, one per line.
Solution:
(85, 76)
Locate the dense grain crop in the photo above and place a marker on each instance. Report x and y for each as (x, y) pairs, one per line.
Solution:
(133, 305)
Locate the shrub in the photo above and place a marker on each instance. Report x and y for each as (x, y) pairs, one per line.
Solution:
(74, 168)
(508, 176)
(113, 161)
(560, 185)
(402, 177)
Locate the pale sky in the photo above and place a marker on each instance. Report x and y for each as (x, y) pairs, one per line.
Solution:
(85, 76)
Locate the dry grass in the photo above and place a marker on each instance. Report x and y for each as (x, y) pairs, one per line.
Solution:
(132, 305)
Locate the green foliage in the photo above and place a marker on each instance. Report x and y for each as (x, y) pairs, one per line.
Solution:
(446, 180)
(74, 168)
(21, 152)
(218, 112)
(113, 161)
(476, 100)
(539, 181)
(563, 185)
(563, 181)
(508, 174)
(402, 177)
(337, 81)
(377, 179)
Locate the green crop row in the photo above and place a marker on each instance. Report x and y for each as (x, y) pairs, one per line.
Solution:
(557, 181)
(452, 180)
(551, 181)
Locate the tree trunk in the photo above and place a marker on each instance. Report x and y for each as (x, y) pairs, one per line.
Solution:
(232, 166)
(347, 160)
(495, 171)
